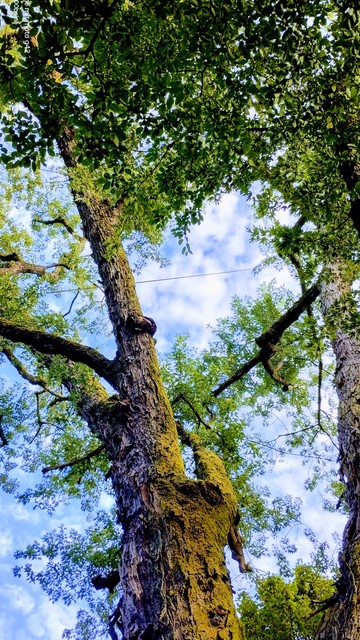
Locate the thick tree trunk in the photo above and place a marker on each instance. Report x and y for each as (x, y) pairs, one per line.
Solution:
(173, 579)
(342, 622)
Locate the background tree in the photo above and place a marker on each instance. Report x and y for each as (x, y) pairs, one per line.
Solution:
(285, 610)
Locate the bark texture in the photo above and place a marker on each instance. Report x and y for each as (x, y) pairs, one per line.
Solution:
(173, 579)
(342, 622)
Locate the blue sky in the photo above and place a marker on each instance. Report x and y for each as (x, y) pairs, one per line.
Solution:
(221, 243)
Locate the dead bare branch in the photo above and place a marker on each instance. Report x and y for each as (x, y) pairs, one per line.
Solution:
(72, 304)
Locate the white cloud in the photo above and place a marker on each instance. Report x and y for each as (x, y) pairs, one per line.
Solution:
(20, 598)
(35, 627)
(106, 501)
(25, 514)
(51, 619)
(6, 543)
(219, 244)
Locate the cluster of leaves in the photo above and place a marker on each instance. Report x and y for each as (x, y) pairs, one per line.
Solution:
(284, 610)
(187, 82)
(65, 562)
(73, 558)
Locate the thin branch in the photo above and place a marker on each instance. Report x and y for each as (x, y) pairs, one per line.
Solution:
(59, 399)
(289, 434)
(89, 48)
(268, 445)
(183, 398)
(300, 272)
(48, 343)
(71, 463)
(72, 304)
(38, 415)
(240, 373)
(29, 376)
(162, 157)
(200, 420)
(58, 220)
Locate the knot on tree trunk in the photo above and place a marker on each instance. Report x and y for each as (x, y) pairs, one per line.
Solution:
(141, 324)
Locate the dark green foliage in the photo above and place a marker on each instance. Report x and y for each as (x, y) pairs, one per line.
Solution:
(282, 610)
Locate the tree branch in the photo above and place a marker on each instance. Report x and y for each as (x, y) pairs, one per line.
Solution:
(240, 373)
(327, 604)
(183, 398)
(38, 415)
(235, 543)
(108, 582)
(55, 345)
(58, 220)
(72, 304)
(273, 372)
(24, 373)
(269, 339)
(71, 463)
(273, 335)
(15, 265)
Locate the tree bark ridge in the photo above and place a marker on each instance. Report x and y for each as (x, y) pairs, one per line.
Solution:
(342, 622)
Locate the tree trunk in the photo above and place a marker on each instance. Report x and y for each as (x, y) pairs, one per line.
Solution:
(173, 579)
(342, 622)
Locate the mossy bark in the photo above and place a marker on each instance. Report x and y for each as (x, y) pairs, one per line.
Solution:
(173, 579)
(342, 622)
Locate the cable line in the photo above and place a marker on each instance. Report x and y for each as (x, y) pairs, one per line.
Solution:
(195, 275)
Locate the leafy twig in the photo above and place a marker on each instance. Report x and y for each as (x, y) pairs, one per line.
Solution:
(71, 463)
(29, 376)
(183, 398)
